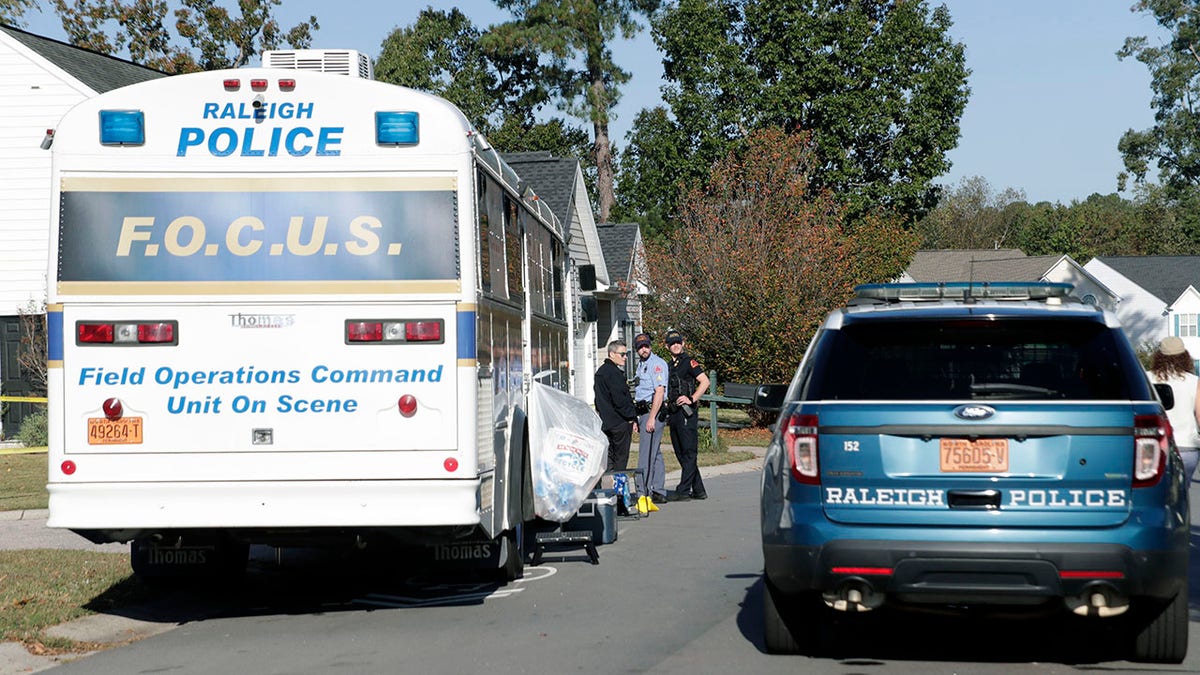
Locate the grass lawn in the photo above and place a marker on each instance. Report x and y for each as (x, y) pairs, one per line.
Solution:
(23, 482)
(43, 588)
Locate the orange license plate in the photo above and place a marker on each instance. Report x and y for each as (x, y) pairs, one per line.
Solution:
(125, 431)
(986, 455)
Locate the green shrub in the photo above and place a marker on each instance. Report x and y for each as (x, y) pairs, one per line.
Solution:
(34, 430)
(705, 443)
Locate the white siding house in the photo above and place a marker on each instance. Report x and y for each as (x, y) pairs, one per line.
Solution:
(40, 79)
(1158, 296)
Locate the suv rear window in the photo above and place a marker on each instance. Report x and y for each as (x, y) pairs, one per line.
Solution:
(975, 359)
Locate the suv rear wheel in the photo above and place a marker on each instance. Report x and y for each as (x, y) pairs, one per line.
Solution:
(790, 622)
(1164, 639)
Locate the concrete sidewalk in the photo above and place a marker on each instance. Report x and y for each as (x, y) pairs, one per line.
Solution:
(27, 530)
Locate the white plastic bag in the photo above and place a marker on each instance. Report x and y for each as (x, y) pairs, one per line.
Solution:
(568, 451)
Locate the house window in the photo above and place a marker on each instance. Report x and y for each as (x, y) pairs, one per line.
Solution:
(1187, 325)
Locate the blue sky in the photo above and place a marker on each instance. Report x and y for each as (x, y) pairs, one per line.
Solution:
(1049, 98)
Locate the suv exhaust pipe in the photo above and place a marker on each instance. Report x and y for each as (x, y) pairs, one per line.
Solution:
(1098, 600)
(853, 595)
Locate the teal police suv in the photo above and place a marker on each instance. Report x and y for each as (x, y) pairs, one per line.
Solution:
(974, 445)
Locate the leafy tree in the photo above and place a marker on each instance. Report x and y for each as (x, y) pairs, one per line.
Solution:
(880, 84)
(12, 11)
(761, 255)
(969, 215)
(708, 85)
(499, 91)
(214, 39)
(1173, 142)
(575, 36)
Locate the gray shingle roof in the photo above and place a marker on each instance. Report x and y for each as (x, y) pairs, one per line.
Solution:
(617, 240)
(1006, 264)
(100, 72)
(1165, 276)
(552, 178)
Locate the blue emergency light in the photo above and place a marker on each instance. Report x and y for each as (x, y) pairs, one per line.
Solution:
(397, 128)
(122, 127)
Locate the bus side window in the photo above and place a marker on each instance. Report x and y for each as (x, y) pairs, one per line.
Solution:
(485, 245)
(495, 213)
(512, 249)
(557, 283)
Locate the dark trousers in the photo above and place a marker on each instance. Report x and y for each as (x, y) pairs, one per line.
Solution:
(686, 444)
(619, 439)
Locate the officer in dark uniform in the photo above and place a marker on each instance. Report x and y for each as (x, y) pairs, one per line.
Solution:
(686, 383)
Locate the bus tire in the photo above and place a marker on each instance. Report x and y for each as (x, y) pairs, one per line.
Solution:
(512, 552)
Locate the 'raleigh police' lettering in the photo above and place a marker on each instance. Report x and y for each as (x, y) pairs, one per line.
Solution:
(1045, 499)
(259, 142)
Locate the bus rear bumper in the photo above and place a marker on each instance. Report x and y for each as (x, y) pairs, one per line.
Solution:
(117, 507)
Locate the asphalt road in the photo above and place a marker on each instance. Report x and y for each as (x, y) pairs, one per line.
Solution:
(678, 592)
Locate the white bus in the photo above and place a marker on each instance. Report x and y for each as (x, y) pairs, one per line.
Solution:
(295, 308)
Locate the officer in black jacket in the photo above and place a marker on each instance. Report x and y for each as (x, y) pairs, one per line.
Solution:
(615, 405)
(686, 383)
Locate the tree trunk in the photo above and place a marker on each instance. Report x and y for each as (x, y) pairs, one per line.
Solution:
(602, 151)
(604, 172)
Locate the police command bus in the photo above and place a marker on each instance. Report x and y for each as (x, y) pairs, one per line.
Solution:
(294, 307)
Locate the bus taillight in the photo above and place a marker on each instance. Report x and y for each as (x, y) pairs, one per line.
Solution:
(111, 332)
(394, 331)
(423, 331)
(94, 333)
(287, 85)
(364, 331)
(156, 332)
(233, 84)
(258, 85)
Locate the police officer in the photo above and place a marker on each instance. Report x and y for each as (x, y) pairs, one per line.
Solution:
(649, 396)
(686, 383)
(615, 405)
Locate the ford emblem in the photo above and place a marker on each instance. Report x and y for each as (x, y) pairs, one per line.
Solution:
(974, 412)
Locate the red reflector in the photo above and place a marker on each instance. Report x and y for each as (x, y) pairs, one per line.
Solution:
(423, 331)
(364, 331)
(862, 570)
(95, 332)
(156, 332)
(1091, 574)
(407, 405)
(287, 85)
(68, 467)
(451, 465)
(258, 85)
(113, 409)
(233, 84)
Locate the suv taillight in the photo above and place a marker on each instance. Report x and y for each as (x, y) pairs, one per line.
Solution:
(1151, 440)
(800, 439)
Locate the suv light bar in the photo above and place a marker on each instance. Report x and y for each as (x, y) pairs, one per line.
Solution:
(955, 290)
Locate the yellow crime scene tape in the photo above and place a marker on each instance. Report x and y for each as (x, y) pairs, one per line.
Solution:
(22, 399)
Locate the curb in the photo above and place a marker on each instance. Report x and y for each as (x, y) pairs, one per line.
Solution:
(30, 514)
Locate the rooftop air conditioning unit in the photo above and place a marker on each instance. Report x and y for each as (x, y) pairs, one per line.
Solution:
(340, 61)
